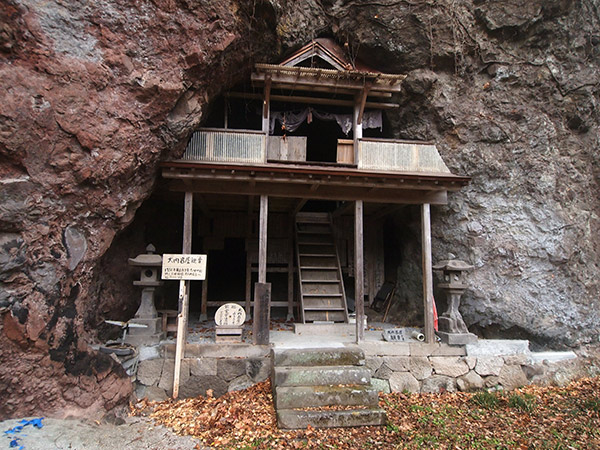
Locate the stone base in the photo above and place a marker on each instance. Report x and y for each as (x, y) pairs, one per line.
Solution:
(457, 338)
(144, 339)
(150, 335)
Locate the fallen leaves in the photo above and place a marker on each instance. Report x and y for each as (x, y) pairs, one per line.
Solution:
(532, 417)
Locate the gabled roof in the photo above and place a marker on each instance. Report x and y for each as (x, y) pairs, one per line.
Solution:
(330, 52)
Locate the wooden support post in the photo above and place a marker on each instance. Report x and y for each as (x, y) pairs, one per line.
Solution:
(262, 239)
(204, 301)
(262, 314)
(427, 273)
(290, 282)
(359, 287)
(357, 127)
(184, 293)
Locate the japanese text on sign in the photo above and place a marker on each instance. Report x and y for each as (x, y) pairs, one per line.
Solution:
(183, 267)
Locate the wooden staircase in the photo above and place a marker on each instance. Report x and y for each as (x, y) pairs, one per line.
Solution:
(322, 296)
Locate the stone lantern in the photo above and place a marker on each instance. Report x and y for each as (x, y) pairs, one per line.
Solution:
(452, 328)
(146, 314)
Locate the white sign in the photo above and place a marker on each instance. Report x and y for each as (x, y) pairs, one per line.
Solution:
(230, 314)
(183, 267)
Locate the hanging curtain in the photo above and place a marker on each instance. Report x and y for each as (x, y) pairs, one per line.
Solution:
(291, 120)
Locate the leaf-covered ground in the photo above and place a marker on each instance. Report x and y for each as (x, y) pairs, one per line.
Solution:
(529, 418)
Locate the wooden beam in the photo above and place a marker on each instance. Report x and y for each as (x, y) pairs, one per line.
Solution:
(299, 205)
(183, 293)
(315, 100)
(262, 239)
(363, 101)
(307, 83)
(359, 281)
(342, 209)
(350, 193)
(427, 273)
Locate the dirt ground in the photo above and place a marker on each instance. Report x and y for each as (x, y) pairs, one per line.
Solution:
(136, 433)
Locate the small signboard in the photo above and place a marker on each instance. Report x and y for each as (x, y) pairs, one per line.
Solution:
(394, 335)
(183, 267)
(230, 314)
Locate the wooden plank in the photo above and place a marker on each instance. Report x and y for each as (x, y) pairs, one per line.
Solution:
(305, 83)
(262, 241)
(325, 192)
(183, 293)
(262, 313)
(427, 273)
(359, 287)
(315, 100)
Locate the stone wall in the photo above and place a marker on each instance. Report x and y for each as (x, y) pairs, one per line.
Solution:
(220, 368)
(394, 367)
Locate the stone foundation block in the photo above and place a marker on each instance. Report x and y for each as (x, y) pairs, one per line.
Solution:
(381, 385)
(228, 369)
(403, 381)
(397, 363)
(436, 350)
(149, 371)
(258, 369)
(200, 367)
(512, 377)
(470, 382)
(516, 359)
(420, 367)
(384, 372)
(373, 363)
(166, 378)
(241, 382)
(196, 386)
(449, 366)
(439, 383)
(385, 348)
(489, 365)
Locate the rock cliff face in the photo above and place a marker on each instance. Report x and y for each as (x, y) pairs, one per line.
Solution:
(95, 94)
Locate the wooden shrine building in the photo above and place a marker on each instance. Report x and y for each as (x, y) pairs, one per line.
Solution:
(303, 190)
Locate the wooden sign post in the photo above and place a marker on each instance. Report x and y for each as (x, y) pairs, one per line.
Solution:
(262, 313)
(183, 268)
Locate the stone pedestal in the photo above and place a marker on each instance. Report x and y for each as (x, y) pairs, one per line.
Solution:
(146, 314)
(452, 328)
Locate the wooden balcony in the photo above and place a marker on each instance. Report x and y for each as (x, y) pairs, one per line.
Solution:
(253, 147)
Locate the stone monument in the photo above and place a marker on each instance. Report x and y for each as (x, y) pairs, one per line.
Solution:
(230, 320)
(146, 314)
(452, 328)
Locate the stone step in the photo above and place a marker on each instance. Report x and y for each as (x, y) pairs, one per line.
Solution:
(341, 356)
(295, 418)
(320, 376)
(288, 397)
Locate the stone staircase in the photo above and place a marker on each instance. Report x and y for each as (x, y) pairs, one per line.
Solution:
(307, 381)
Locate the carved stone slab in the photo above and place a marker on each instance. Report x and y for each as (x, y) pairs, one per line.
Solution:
(230, 315)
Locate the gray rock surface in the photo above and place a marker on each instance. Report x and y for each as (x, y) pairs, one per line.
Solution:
(403, 381)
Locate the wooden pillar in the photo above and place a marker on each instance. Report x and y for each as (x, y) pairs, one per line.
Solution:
(266, 115)
(427, 273)
(290, 273)
(359, 287)
(262, 239)
(184, 293)
(357, 127)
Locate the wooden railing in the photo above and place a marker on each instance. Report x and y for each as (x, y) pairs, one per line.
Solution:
(218, 145)
(249, 146)
(399, 156)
